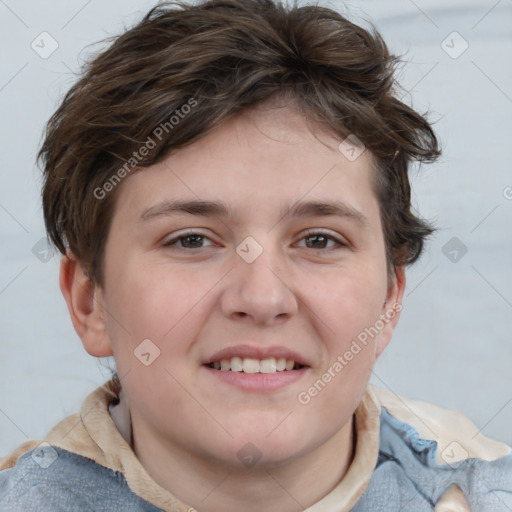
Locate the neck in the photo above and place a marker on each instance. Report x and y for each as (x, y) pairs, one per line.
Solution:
(210, 486)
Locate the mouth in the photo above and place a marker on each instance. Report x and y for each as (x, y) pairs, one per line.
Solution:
(251, 365)
(257, 369)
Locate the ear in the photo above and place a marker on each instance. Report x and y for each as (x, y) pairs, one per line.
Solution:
(86, 307)
(391, 309)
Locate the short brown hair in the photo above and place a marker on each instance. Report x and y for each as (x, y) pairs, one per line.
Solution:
(226, 56)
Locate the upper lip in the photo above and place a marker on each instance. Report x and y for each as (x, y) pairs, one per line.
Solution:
(256, 352)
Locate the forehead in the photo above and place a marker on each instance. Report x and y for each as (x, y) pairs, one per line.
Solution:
(265, 158)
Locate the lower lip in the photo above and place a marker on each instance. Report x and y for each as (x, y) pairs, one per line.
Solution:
(258, 382)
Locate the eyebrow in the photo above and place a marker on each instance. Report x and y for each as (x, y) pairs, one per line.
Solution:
(218, 208)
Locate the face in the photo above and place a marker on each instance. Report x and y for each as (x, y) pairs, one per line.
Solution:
(278, 259)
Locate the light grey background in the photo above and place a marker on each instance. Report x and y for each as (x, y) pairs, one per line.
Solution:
(453, 345)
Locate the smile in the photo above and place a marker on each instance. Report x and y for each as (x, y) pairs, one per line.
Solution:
(251, 365)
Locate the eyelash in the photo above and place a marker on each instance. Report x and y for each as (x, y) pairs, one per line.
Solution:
(308, 234)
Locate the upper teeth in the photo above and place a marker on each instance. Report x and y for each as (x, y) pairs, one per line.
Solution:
(249, 365)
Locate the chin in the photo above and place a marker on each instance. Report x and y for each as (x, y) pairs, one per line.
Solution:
(264, 451)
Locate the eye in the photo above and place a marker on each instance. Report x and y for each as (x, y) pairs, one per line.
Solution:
(188, 240)
(321, 239)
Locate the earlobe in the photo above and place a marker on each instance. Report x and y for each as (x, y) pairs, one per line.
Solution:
(391, 309)
(85, 305)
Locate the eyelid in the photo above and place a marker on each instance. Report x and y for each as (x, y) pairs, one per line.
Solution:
(342, 241)
(174, 238)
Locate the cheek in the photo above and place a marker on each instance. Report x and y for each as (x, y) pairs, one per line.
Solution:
(349, 304)
(149, 301)
(348, 308)
(157, 303)
(155, 318)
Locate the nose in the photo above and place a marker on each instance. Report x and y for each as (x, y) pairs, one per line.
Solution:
(259, 292)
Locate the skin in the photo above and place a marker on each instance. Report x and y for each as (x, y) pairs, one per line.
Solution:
(313, 299)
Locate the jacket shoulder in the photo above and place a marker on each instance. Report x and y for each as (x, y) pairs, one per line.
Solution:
(439, 456)
(457, 437)
(48, 478)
